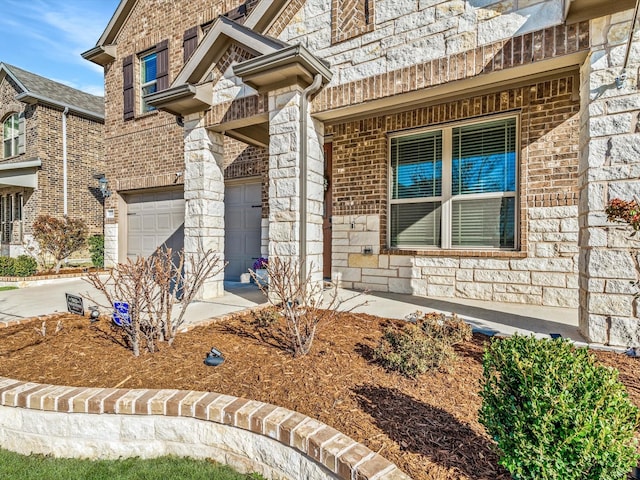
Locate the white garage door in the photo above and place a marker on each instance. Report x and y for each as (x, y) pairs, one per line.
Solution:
(154, 219)
(242, 214)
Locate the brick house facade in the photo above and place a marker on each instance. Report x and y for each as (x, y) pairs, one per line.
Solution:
(450, 148)
(35, 112)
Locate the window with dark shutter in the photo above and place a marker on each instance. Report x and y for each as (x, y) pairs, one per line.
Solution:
(189, 42)
(162, 65)
(127, 86)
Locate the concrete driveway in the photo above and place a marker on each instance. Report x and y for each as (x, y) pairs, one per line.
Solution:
(49, 298)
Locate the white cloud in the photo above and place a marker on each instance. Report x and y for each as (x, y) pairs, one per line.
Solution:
(52, 34)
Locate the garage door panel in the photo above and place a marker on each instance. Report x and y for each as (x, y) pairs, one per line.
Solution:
(154, 219)
(164, 221)
(243, 214)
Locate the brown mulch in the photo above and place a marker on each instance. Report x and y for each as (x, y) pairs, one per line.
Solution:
(428, 426)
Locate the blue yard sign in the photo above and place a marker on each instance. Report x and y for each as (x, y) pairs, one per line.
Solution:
(121, 314)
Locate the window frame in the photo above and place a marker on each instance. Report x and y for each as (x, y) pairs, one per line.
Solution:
(144, 108)
(15, 140)
(446, 198)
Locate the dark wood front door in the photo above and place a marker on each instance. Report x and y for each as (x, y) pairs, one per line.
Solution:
(326, 224)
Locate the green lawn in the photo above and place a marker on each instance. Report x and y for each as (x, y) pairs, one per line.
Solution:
(8, 287)
(39, 467)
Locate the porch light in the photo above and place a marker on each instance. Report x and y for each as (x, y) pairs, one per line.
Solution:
(103, 184)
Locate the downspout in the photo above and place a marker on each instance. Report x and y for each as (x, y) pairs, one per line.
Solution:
(304, 171)
(64, 159)
(623, 74)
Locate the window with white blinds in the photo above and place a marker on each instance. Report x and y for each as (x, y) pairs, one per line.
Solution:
(455, 187)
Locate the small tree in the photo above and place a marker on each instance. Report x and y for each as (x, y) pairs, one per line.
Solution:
(302, 304)
(151, 287)
(59, 237)
(554, 413)
(96, 249)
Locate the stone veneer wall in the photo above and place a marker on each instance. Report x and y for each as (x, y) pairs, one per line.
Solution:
(542, 272)
(609, 168)
(246, 434)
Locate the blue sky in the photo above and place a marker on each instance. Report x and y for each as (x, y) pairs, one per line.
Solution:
(47, 37)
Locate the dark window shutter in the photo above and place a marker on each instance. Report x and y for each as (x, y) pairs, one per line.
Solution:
(127, 86)
(189, 43)
(162, 65)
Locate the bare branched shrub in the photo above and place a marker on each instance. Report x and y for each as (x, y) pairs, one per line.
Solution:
(301, 304)
(152, 287)
(42, 331)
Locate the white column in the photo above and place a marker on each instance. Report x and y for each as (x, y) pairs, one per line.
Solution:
(287, 236)
(609, 168)
(204, 197)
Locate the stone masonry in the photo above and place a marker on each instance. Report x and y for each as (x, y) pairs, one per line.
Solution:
(204, 198)
(609, 168)
(285, 182)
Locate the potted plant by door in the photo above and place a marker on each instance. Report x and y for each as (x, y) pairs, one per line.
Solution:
(260, 271)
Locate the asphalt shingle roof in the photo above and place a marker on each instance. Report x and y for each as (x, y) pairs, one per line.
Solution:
(57, 92)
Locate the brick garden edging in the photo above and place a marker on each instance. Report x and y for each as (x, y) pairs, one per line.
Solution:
(245, 434)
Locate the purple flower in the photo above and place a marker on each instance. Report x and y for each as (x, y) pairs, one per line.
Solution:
(260, 263)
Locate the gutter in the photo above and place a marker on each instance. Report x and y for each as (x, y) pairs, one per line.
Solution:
(304, 170)
(32, 98)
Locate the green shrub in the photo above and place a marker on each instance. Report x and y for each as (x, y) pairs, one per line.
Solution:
(7, 266)
(554, 413)
(96, 248)
(425, 344)
(24, 266)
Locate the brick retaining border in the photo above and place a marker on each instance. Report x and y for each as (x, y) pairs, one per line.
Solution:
(247, 435)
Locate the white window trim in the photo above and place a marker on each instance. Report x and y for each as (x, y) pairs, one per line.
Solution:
(143, 106)
(15, 140)
(446, 198)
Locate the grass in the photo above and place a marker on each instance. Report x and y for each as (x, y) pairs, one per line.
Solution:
(37, 467)
(8, 287)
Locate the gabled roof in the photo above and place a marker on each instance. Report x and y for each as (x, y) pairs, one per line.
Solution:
(215, 43)
(258, 19)
(37, 89)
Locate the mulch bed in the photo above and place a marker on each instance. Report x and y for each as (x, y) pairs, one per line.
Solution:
(427, 426)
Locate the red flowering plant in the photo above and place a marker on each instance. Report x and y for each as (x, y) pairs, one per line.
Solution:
(626, 212)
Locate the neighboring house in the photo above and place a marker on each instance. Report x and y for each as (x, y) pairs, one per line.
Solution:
(52, 139)
(460, 148)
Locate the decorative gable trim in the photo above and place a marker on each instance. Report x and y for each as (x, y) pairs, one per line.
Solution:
(216, 42)
(351, 18)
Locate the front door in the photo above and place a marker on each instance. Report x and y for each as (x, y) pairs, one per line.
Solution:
(328, 204)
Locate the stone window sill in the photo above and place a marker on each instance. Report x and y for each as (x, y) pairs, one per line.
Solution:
(457, 253)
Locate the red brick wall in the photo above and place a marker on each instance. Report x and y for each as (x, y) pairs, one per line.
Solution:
(548, 112)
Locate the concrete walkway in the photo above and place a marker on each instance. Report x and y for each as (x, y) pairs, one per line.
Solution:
(486, 317)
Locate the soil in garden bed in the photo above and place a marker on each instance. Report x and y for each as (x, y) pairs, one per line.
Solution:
(427, 426)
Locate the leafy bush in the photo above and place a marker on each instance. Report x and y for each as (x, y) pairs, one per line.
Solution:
(554, 413)
(423, 344)
(96, 249)
(59, 237)
(24, 266)
(7, 266)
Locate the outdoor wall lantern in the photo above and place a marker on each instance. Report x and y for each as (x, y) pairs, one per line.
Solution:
(103, 183)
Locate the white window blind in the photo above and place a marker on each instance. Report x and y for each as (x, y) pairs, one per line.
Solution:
(416, 165)
(455, 187)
